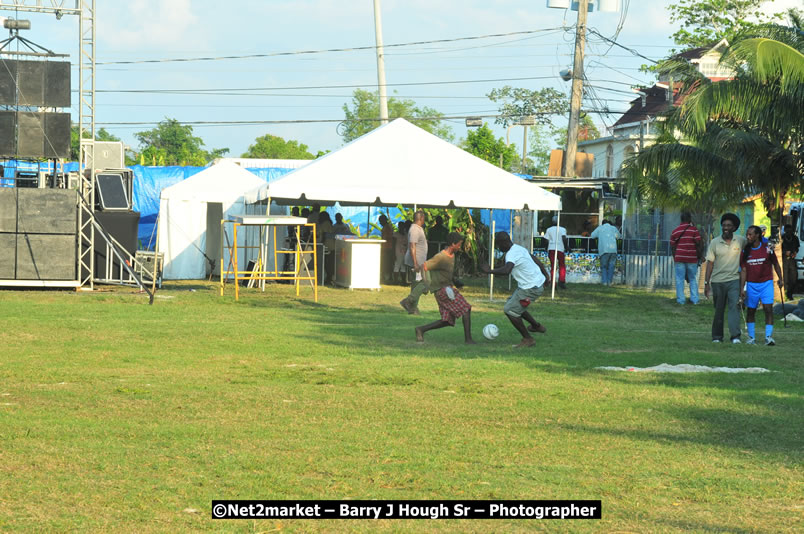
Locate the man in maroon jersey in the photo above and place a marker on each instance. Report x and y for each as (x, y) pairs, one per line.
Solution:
(756, 281)
(687, 246)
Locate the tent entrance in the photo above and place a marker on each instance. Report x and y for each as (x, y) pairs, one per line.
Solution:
(213, 237)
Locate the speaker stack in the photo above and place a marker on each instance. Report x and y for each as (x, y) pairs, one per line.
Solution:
(34, 134)
(113, 210)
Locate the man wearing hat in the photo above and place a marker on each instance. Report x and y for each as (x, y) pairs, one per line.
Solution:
(722, 279)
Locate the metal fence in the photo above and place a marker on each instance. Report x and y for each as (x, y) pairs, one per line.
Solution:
(649, 271)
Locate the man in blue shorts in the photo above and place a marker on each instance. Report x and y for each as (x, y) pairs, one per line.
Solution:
(756, 281)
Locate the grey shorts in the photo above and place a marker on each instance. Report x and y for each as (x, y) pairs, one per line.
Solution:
(518, 302)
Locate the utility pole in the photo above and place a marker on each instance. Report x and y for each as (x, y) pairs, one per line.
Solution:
(577, 90)
(380, 64)
(524, 147)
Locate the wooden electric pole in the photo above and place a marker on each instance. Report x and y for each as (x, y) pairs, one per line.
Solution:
(577, 91)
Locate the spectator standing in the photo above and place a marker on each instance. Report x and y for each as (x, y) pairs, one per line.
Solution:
(400, 249)
(414, 258)
(438, 233)
(326, 254)
(790, 246)
(687, 248)
(386, 249)
(313, 214)
(722, 279)
(557, 245)
(340, 227)
(607, 236)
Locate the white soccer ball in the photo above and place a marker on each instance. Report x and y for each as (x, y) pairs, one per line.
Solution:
(490, 331)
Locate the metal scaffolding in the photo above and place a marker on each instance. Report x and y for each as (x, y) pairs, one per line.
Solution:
(85, 10)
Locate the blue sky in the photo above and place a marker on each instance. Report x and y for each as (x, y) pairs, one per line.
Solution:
(138, 30)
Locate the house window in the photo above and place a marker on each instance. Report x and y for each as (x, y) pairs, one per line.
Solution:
(713, 69)
(609, 161)
(627, 153)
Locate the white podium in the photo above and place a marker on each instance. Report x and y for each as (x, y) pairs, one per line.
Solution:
(357, 263)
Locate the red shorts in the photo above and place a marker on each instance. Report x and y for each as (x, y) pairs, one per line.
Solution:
(451, 309)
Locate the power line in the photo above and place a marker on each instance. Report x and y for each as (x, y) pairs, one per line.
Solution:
(615, 43)
(311, 121)
(329, 50)
(240, 90)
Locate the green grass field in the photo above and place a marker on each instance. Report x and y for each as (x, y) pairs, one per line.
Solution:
(116, 416)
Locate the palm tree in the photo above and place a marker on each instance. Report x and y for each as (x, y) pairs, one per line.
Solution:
(739, 136)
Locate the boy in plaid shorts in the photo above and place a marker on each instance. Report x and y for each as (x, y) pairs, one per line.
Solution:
(439, 270)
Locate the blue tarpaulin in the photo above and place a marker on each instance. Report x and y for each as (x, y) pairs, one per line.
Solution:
(149, 182)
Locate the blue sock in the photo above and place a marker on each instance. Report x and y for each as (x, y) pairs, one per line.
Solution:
(751, 329)
(768, 330)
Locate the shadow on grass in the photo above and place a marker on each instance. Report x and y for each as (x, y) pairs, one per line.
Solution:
(582, 322)
(770, 433)
(698, 526)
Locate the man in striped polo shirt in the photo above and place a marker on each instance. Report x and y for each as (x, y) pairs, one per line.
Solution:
(686, 243)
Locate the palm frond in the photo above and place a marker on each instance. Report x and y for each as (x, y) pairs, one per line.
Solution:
(770, 61)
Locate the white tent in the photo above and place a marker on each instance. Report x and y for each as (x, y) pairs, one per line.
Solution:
(190, 214)
(400, 163)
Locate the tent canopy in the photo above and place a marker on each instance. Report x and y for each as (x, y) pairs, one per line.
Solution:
(222, 182)
(193, 208)
(400, 163)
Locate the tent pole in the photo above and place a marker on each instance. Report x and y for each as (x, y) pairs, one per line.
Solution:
(156, 259)
(368, 220)
(511, 229)
(491, 254)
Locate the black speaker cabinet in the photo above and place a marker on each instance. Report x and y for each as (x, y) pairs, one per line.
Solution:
(122, 225)
(35, 83)
(8, 133)
(38, 234)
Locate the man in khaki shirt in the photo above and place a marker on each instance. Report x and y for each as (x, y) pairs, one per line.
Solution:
(723, 277)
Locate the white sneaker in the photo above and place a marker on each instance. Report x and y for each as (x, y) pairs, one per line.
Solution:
(751, 341)
(715, 341)
(736, 341)
(769, 341)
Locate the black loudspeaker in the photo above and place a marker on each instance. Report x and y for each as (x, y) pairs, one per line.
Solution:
(8, 133)
(43, 135)
(114, 190)
(122, 225)
(38, 229)
(57, 84)
(26, 179)
(35, 83)
(8, 83)
(31, 83)
(57, 135)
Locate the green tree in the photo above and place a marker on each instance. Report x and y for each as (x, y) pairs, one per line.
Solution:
(100, 135)
(274, 147)
(363, 116)
(586, 131)
(516, 103)
(172, 143)
(740, 136)
(704, 22)
(482, 143)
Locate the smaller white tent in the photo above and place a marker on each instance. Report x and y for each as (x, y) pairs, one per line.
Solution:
(190, 214)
